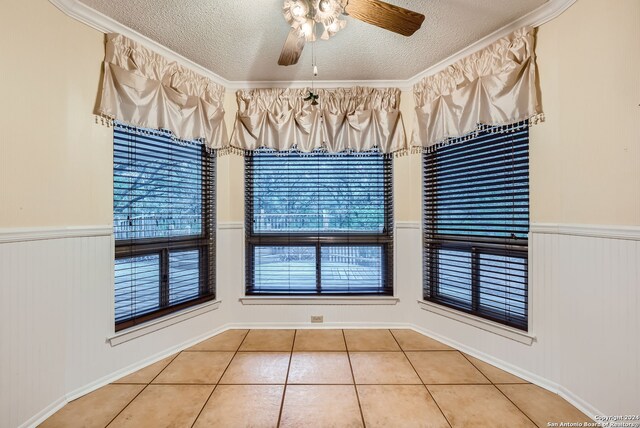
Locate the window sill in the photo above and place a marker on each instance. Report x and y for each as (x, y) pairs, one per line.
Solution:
(486, 325)
(164, 322)
(320, 300)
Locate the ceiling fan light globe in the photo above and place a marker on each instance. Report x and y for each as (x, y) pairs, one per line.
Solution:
(336, 26)
(307, 29)
(325, 6)
(296, 10)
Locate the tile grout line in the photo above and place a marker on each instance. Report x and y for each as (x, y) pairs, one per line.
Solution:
(142, 390)
(353, 377)
(494, 385)
(418, 374)
(321, 384)
(219, 379)
(286, 379)
(477, 368)
(515, 405)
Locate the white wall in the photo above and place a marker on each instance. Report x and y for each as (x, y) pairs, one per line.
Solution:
(584, 314)
(55, 171)
(56, 303)
(584, 170)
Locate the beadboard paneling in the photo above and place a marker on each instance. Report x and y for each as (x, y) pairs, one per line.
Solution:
(56, 309)
(584, 301)
(56, 301)
(231, 289)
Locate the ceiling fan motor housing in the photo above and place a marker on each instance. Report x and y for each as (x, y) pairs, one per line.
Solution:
(303, 15)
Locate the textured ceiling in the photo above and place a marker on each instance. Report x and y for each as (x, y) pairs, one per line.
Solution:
(241, 40)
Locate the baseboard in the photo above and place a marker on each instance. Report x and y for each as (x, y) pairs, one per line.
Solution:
(309, 326)
(105, 380)
(42, 415)
(535, 379)
(542, 382)
(578, 402)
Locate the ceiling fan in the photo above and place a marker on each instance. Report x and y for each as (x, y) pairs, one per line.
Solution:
(304, 15)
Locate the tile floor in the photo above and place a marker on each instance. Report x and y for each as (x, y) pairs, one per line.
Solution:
(318, 378)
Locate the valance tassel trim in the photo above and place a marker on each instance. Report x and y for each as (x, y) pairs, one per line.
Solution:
(232, 150)
(481, 128)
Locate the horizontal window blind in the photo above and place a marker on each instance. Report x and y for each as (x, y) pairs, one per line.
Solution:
(319, 223)
(476, 223)
(164, 224)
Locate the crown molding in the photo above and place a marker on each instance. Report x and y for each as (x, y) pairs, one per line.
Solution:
(98, 21)
(322, 84)
(94, 19)
(543, 14)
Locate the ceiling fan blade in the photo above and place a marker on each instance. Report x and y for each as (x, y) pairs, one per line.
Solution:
(385, 15)
(292, 48)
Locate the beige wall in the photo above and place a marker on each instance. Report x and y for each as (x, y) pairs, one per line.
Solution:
(55, 162)
(585, 159)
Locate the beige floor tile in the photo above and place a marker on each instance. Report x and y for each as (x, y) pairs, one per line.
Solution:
(494, 374)
(242, 406)
(409, 340)
(147, 374)
(228, 341)
(268, 340)
(319, 340)
(370, 340)
(542, 406)
(382, 368)
(164, 406)
(477, 406)
(195, 367)
(445, 367)
(408, 406)
(96, 409)
(320, 367)
(257, 367)
(320, 406)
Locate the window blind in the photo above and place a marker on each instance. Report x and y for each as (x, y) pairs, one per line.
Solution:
(164, 224)
(319, 223)
(476, 223)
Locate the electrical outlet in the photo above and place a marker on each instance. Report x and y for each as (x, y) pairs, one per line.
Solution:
(317, 318)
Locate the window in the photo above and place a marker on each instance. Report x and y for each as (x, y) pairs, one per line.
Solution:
(476, 221)
(318, 223)
(164, 224)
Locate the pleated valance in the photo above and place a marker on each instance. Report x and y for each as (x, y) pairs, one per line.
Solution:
(495, 86)
(346, 119)
(142, 88)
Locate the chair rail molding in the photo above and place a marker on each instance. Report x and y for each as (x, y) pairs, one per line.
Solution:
(588, 230)
(24, 234)
(94, 19)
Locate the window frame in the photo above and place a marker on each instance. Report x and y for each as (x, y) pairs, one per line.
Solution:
(204, 243)
(473, 245)
(321, 240)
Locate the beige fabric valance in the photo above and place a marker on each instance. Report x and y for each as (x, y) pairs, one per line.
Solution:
(495, 86)
(142, 88)
(357, 119)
